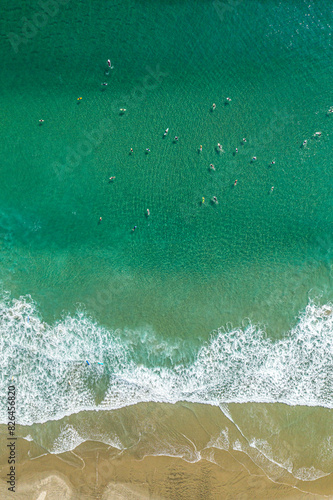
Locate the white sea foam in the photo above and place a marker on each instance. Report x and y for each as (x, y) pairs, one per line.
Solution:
(69, 438)
(28, 438)
(221, 442)
(237, 366)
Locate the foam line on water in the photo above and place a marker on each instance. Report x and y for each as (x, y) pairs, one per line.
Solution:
(237, 366)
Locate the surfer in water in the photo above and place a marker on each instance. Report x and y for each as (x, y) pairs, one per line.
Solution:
(107, 72)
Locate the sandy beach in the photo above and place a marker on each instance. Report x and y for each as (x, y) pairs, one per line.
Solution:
(98, 470)
(90, 472)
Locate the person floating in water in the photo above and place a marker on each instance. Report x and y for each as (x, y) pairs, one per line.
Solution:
(41, 122)
(214, 200)
(272, 189)
(166, 131)
(273, 162)
(147, 151)
(79, 99)
(214, 106)
(104, 84)
(235, 183)
(317, 134)
(122, 110)
(236, 150)
(134, 228)
(304, 143)
(147, 212)
(176, 138)
(243, 140)
(200, 149)
(109, 64)
(211, 166)
(100, 220)
(111, 179)
(131, 151)
(219, 147)
(228, 100)
(254, 158)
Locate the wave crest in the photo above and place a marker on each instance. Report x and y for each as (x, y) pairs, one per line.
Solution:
(49, 368)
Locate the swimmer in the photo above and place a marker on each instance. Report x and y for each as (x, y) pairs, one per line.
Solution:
(166, 131)
(236, 151)
(122, 110)
(254, 158)
(109, 64)
(176, 138)
(134, 228)
(317, 134)
(272, 189)
(214, 106)
(228, 100)
(203, 200)
(79, 99)
(304, 143)
(112, 178)
(243, 140)
(69, 382)
(200, 149)
(100, 220)
(211, 166)
(330, 110)
(131, 151)
(147, 212)
(235, 183)
(214, 200)
(219, 146)
(104, 83)
(273, 162)
(147, 151)
(41, 121)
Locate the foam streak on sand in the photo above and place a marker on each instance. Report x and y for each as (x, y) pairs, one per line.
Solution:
(237, 366)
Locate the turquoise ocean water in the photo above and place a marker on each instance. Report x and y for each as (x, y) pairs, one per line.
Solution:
(205, 303)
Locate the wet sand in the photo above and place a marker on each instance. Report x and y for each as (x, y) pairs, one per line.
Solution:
(91, 472)
(98, 470)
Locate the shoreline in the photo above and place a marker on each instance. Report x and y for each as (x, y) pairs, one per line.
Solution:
(91, 471)
(181, 451)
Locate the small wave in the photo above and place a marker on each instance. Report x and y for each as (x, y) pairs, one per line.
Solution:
(48, 364)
